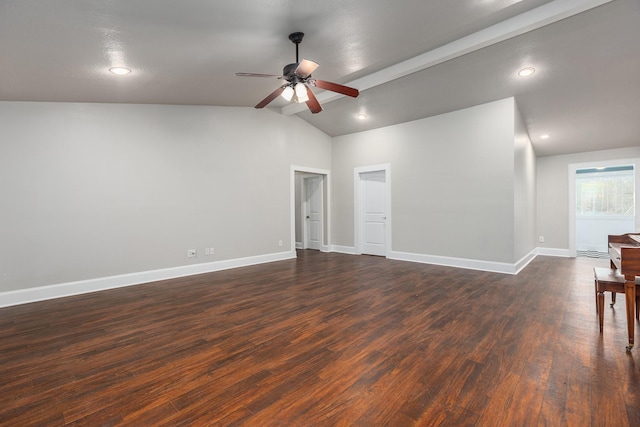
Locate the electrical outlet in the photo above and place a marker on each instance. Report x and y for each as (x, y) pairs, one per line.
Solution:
(191, 253)
(209, 251)
(541, 239)
(279, 242)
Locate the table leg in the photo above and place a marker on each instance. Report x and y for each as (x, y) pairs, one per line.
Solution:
(630, 297)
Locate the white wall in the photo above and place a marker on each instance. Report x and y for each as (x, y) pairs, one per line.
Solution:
(95, 190)
(552, 199)
(452, 183)
(524, 190)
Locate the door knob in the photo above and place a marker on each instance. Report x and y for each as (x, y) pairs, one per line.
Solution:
(307, 216)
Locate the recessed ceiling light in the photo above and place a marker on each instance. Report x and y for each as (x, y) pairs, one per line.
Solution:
(526, 72)
(544, 136)
(361, 116)
(121, 71)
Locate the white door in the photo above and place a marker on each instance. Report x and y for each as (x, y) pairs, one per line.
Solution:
(374, 218)
(313, 213)
(604, 206)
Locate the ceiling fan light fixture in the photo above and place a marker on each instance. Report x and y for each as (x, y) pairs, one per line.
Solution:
(287, 93)
(301, 92)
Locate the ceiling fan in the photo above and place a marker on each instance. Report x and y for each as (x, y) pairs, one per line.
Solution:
(299, 82)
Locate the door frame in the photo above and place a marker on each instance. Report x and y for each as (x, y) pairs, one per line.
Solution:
(304, 200)
(357, 206)
(326, 243)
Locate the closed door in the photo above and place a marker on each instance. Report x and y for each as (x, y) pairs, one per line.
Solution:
(314, 213)
(374, 218)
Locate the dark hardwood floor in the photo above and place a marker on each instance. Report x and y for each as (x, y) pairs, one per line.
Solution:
(325, 340)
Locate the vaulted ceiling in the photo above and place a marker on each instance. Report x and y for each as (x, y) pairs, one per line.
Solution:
(410, 59)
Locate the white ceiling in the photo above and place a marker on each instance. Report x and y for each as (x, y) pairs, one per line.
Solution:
(411, 59)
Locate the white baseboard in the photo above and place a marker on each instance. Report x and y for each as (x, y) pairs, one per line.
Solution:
(525, 260)
(323, 248)
(564, 253)
(343, 249)
(470, 264)
(23, 296)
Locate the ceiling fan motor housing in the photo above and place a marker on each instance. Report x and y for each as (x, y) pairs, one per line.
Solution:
(288, 72)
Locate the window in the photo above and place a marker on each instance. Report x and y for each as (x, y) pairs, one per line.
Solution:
(605, 191)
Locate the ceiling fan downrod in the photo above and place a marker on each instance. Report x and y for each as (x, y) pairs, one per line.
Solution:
(296, 38)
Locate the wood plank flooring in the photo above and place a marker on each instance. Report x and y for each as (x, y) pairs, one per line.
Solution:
(325, 340)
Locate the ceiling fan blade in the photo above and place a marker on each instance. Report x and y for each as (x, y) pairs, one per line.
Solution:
(273, 95)
(257, 75)
(305, 68)
(312, 103)
(335, 87)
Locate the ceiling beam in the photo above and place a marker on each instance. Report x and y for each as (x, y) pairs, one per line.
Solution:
(528, 21)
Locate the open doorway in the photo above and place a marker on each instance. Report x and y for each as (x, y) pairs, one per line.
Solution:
(310, 201)
(602, 202)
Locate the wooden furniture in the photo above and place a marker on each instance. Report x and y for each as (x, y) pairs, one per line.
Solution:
(610, 280)
(624, 255)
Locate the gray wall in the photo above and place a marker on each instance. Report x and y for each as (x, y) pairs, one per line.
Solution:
(95, 190)
(552, 201)
(452, 183)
